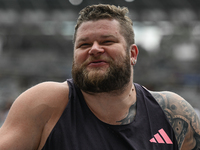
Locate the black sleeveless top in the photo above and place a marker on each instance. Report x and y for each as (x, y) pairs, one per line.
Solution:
(79, 129)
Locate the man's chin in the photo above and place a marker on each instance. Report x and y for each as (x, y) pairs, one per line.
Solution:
(96, 74)
(100, 68)
(97, 71)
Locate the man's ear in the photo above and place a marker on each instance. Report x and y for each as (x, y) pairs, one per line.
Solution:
(134, 53)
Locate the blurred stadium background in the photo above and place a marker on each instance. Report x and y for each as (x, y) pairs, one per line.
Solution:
(35, 44)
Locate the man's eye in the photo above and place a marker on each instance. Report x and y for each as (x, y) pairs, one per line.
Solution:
(84, 45)
(108, 42)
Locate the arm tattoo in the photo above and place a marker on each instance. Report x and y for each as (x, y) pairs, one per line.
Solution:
(181, 116)
(130, 116)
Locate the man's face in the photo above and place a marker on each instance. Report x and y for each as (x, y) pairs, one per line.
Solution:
(101, 61)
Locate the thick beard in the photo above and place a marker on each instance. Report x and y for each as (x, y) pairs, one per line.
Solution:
(116, 77)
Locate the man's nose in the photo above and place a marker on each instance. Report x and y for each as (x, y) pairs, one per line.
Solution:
(96, 49)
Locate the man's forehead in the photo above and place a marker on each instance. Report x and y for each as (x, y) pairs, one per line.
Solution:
(102, 22)
(106, 28)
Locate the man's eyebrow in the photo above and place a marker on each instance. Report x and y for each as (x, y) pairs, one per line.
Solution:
(102, 36)
(82, 39)
(108, 36)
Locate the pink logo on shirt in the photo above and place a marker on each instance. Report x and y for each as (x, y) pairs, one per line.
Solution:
(161, 137)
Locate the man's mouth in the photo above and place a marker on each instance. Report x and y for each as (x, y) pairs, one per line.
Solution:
(97, 63)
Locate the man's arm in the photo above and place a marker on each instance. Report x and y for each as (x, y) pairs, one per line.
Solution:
(182, 118)
(23, 128)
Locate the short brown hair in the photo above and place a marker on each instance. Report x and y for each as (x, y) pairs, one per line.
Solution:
(105, 11)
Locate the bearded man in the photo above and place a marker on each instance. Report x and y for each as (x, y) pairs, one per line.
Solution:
(100, 108)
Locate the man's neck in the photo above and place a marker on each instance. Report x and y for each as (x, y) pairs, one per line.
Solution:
(115, 108)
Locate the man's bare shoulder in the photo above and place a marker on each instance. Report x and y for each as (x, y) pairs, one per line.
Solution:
(46, 98)
(182, 118)
(29, 114)
(50, 93)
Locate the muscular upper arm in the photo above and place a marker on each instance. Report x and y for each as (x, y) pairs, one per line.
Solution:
(22, 128)
(182, 118)
(27, 117)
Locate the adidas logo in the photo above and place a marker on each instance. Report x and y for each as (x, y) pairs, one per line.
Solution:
(161, 137)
